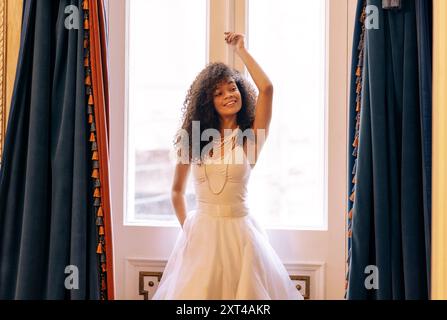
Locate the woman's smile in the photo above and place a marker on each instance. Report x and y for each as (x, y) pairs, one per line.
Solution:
(230, 103)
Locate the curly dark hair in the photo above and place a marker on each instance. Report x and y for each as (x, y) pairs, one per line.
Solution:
(199, 104)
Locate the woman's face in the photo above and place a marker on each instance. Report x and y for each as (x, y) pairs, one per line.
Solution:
(227, 98)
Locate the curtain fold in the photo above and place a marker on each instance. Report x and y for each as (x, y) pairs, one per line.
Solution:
(424, 16)
(439, 238)
(48, 217)
(389, 229)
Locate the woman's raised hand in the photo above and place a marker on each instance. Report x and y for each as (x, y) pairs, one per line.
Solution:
(236, 40)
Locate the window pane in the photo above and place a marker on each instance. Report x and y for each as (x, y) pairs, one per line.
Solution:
(287, 37)
(167, 45)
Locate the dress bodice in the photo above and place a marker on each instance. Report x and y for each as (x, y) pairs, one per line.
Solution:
(223, 181)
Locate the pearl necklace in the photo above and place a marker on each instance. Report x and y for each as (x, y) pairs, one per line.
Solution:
(222, 145)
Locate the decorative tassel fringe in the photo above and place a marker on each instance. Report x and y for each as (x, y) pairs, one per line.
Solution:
(90, 100)
(103, 284)
(97, 202)
(95, 174)
(99, 221)
(356, 142)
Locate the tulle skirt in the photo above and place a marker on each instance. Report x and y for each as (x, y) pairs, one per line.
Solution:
(224, 258)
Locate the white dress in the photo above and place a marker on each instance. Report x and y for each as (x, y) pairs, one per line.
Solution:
(222, 252)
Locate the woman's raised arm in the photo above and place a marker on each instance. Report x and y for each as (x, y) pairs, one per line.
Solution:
(263, 110)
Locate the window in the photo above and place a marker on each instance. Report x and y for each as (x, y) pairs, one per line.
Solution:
(168, 47)
(287, 187)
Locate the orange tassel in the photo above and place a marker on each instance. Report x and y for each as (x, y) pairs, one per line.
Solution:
(86, 27)
(88, 81)
(100, 213)
(357, 108)
(103, 267)
(358, 72)
(95, 155)
(356, 142)
(352, 197)
(90, 100)
(99, 248)
(90, 118)
(86, 63)
(101, 230)
(97, 194)
(350, 214)
(92, 137)
(95, 174)
(350, 234)
(103, 284)
(85, 5)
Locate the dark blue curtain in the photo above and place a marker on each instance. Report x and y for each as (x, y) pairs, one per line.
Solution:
(424, 16)
(390, 227)
(47, 220)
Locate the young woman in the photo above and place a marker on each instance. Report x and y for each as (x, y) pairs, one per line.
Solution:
(222, 251)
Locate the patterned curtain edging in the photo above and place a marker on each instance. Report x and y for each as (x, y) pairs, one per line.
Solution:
(356, 137)
(97, 104)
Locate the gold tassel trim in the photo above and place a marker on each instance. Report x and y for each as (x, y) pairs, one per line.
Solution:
(100, 213)
(103, 284)
(99, 248)
(97, 194)
(95, 174)
(95, 155)
(356, 142)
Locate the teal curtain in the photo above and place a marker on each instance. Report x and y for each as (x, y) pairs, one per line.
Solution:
(47, 217)
(390, 225)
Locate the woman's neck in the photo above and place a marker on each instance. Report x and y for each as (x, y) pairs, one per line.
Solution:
(227, 123)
